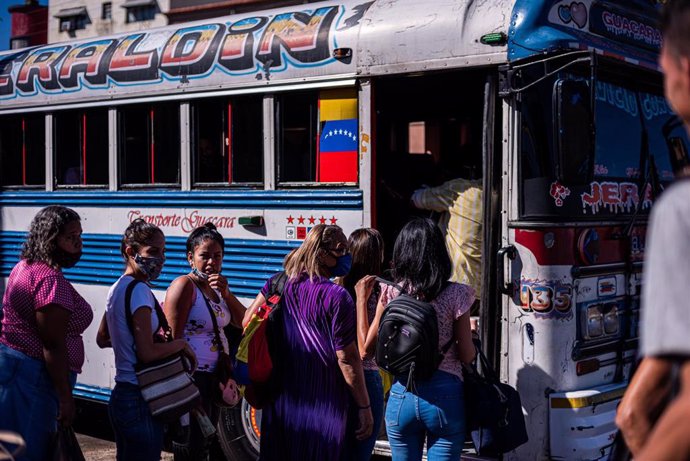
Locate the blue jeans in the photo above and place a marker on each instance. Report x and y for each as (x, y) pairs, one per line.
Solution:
(435, 412)
(363, 448)
(138, 436)
(28, 401)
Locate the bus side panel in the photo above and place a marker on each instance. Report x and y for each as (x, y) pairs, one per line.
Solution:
(570, 341)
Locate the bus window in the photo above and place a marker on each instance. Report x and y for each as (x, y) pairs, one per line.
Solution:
(227, 140)
(149, 144)
(662, 126)
(296, 115)
(617, 112)
(22, 150)
(81, 147)
(650, 128)
(623, 110)
(318, 137)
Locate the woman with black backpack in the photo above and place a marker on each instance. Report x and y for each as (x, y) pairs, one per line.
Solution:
(428, 407)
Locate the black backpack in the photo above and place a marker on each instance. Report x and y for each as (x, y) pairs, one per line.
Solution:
(407, 342)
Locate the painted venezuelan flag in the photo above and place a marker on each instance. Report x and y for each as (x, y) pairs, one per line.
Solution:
(339, 138)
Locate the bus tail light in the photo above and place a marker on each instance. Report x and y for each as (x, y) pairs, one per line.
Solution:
(602, 320)
(595, 322)
(611, 321)
(587, 366)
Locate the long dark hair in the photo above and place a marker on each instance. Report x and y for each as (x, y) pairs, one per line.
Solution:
(41, 243)
(420, 259)
(202, 233)
(366, 247)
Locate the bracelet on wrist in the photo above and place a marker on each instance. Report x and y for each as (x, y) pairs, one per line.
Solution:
(364, 408)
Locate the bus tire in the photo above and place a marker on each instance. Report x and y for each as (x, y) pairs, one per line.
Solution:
(239, 430)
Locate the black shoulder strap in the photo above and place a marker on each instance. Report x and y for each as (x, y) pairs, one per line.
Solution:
(487, 370)
(162, 321)
(277, 285)
(216, 330)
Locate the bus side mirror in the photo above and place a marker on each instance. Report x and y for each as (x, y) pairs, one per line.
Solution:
(573, 132)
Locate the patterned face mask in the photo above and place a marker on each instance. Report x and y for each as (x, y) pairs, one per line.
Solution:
(151, 266)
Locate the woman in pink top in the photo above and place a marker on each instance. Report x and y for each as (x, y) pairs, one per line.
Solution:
(41, 348)
(366, 248)
(431, 410)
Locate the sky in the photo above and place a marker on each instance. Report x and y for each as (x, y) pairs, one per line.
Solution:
(5, 22)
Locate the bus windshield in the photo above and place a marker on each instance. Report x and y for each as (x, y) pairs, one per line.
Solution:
(637, 143)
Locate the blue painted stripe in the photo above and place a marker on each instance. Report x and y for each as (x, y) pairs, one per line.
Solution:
(99, 394)
(247, 263)
(336, 199)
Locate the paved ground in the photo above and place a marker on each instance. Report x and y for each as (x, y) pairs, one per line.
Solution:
(103, 450)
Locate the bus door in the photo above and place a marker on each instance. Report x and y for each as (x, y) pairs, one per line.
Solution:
(588, 152)
(428, 131)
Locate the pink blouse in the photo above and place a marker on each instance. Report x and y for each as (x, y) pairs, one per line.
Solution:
(30, 288)
(455, 300)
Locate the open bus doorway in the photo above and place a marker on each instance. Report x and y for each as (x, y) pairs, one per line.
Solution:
(428, 131)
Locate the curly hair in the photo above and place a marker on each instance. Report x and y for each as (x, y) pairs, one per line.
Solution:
(41, 243)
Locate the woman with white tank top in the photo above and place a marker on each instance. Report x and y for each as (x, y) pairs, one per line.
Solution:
(188, 305)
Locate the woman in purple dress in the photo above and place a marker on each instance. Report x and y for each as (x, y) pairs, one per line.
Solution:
(321, 371)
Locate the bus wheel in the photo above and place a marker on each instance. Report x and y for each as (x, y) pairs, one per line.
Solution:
(239, 430)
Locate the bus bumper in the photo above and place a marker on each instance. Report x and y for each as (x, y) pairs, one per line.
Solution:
(582, 423)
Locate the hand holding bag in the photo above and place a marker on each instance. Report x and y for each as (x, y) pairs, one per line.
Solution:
(225, 390)
(166, 385)
(64, 446)
(493, 410)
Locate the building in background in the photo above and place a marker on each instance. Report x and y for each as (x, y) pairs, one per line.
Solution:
(194, 10)
(29, 24)
(69, 19)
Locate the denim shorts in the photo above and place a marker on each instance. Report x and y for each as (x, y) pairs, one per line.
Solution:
(28, 401)
(138, 436)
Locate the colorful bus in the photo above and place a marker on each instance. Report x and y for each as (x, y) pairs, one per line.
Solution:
(270, 122)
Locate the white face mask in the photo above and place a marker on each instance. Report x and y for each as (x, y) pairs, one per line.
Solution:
(198, 273)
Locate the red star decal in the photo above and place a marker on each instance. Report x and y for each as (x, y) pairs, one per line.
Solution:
(322, 220)
(290, 219)
(333, 220)
(300, 220)
(312, 220)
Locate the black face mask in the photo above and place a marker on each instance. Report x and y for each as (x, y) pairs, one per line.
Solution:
(65, 259)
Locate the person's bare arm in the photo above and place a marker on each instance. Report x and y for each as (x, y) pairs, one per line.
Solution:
(103, 335)
(351, 367)
(363, 290)
(51, 322)
(669, 439)
(463, 336)
(373, 333)
(258, 301)
(147, 350)
(646, 393)
(178, 304)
